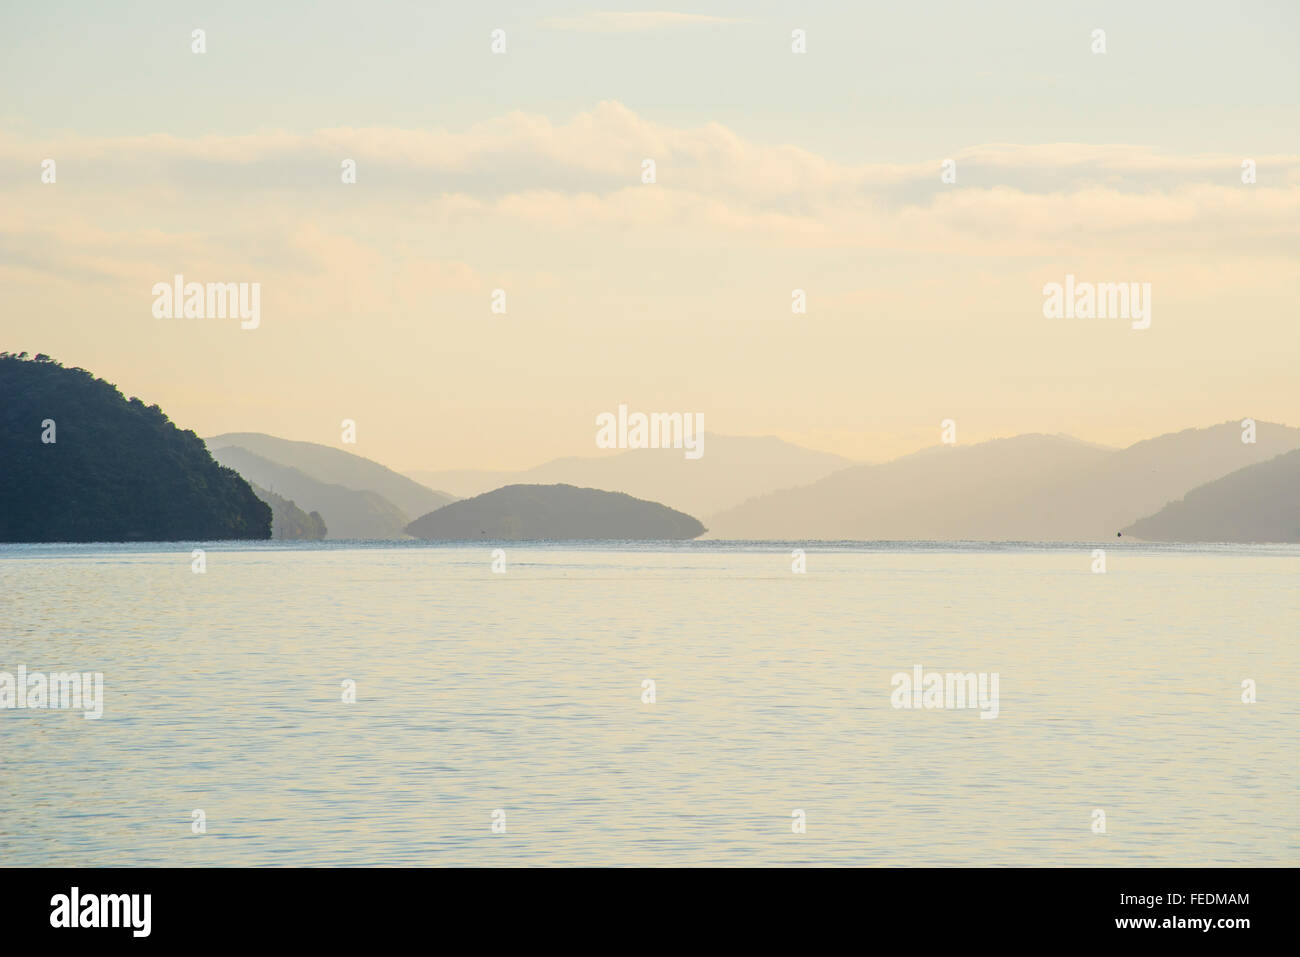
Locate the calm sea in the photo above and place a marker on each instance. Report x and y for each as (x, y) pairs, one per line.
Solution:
(522, 692)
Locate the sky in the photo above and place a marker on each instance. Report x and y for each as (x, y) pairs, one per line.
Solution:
(522, 171)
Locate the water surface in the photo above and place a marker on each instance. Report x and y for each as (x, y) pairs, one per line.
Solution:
(521, 691)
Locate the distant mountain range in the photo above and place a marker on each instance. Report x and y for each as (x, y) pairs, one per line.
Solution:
(1027, 488)
(337, 467)
(554, 513)
(945, 492)
(733, 469)
(347, 512)
(83, 463)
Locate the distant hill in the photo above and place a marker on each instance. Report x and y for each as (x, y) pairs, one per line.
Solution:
(1140, 479)
(1260, 503)
(732, 469)
(347, 513)
(337, 467)
(946, 492)
(288, 521)
(117, 470)
(554, 513)
(1029, 488)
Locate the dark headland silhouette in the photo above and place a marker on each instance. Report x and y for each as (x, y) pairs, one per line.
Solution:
(79, 462)
(520, 513)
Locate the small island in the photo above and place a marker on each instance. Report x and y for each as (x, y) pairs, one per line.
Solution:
(523, 513)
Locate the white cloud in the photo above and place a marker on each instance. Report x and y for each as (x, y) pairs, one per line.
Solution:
(520, 186)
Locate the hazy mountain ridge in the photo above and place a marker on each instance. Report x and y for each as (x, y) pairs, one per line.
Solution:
(1027, 488)
(943, 492)
(338, 467)
(1142, 478)
(288, 521)
(554, 512)
(347, 513)
(732, 469)
(1258, 503)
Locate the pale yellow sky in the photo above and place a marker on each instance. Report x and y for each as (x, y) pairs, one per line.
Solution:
(924, 298)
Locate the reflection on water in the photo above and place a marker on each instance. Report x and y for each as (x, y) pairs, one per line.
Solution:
(522, 692)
